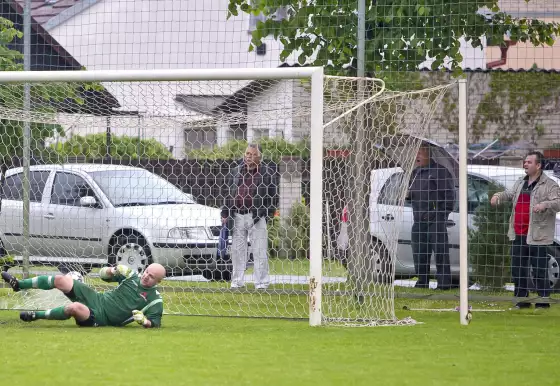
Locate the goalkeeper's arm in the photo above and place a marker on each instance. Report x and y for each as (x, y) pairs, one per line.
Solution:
(150, 320)
(118, 273)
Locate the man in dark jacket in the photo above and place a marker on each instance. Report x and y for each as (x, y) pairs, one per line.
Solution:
(249, 204)
(432, 195)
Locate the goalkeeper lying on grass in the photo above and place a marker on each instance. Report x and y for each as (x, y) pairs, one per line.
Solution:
(135, 298)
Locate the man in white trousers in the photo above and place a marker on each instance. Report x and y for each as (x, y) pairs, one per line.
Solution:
(249, 205)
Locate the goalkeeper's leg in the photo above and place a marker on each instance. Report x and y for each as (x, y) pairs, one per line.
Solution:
(45, 282)
(74, 290)
(83, 315)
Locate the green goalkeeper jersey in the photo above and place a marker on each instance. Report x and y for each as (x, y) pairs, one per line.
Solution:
(129, 295)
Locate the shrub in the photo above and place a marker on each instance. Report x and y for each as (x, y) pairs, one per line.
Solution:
(273, 149)
(289, 237)
(95, 145)
(489, 245)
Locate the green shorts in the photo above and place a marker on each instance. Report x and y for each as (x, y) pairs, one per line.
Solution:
(81, 293)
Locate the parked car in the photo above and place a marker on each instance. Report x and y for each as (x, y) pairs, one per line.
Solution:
(93, 215)
(385, 214)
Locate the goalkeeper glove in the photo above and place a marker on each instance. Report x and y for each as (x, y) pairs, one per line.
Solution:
(139, 317)
(123, 270)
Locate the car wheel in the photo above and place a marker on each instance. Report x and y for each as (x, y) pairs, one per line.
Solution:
(553, 254)
(376, 268)
(132, 251)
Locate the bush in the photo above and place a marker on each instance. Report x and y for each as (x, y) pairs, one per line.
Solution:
(489, 245)
(95, 145)
(289, 238)
(273, 149)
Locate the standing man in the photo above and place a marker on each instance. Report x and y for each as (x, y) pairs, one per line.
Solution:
(536, 200)
(251, 202)
(432, 195)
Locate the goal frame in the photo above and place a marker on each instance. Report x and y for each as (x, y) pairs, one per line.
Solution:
(314, 74)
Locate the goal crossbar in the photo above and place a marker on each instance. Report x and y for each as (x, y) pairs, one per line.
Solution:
(158, 75)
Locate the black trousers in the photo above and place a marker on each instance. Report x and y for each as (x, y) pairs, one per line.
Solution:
(523, 255)
(427, 238)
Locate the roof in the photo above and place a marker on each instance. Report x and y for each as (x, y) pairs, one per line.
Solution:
(44, 10)
(490, 70)
(203, 104)
(101, 101)
(77, 167)
(238, 101)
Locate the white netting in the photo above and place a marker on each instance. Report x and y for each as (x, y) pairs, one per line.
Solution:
(138, 172)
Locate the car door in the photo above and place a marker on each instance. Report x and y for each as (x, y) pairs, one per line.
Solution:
(477, 192)
(394, 221)
(73, 230)
(11, 213)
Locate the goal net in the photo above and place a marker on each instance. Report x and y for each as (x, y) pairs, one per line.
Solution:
(140, 171)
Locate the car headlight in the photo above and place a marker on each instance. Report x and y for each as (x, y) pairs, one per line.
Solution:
(188, 233)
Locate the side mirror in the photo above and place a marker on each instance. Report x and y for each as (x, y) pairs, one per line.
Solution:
(88, 201)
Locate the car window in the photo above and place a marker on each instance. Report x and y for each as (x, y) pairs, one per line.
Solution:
(69, 188)
(477, 191)
(391, 191)
(133, 187)
(13, 186)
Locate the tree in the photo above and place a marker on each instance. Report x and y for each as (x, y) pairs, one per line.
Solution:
(400, 34)
(489, 245)
(45, 98)
(95, 146)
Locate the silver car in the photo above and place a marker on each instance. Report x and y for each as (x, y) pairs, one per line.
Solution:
(94, 215)
(389, 220)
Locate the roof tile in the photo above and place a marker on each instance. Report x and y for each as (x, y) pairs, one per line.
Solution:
(42, 11)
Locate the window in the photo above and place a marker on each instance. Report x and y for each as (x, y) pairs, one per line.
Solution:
(13, 186)
(477, 192)
(261, 50)
(391, 191)
(260, 133)
(69, 188)
(238, 132)
(200, 138)
(138, 187)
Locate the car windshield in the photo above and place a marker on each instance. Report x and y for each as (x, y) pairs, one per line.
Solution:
(138, 187)
(507, 181)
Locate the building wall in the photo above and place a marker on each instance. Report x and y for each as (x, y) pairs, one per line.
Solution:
(514, 125)
(269, 113)
(162, 34)
(150, 34)
(525, 55)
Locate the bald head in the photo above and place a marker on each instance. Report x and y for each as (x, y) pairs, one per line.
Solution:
(153, 275)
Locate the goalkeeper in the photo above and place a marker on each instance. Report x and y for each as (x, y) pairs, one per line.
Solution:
(134, 299)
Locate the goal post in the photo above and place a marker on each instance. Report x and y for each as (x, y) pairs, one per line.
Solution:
(327, 141)
(316, 204)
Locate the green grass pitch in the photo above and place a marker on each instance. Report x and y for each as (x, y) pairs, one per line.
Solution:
(497, 348)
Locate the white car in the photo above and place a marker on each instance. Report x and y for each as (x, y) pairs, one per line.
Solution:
(384, 214)
(93, 215)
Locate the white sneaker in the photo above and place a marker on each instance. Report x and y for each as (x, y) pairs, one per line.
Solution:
(261, 287)
(236, 286)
